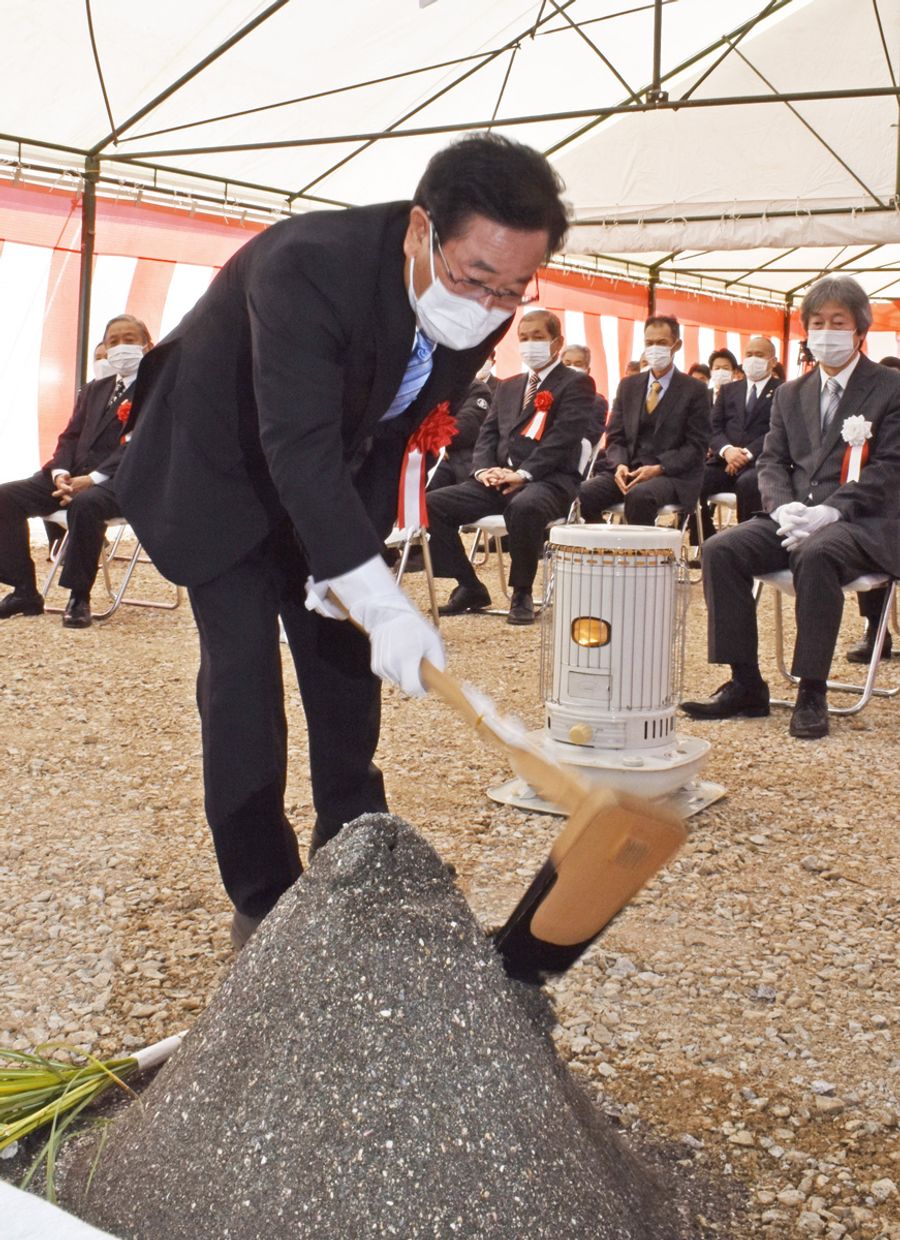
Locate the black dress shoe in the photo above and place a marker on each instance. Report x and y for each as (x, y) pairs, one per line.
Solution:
(810, 718)
(242, 927)
(466, 598)
(16, 604)
(77, 614)
(862, 651)
(729, 701)
(521, 609)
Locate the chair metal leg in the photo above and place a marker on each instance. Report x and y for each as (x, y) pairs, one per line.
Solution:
(429, 577)
(865, 691)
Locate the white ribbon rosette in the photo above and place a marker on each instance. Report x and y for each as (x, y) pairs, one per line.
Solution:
(855, 432)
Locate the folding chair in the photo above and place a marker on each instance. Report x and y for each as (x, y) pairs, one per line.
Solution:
(783, 583)
(403, 540)
(491, 530)
(108, 554)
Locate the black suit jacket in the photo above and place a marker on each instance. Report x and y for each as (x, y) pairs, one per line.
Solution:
(681, 430)
(92, 439)
(266, 400)
(730, 424)
(470, 415)
(799, 463)
(553, 458)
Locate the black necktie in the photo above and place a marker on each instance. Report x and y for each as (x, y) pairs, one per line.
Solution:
(117, 391)
(751, 401)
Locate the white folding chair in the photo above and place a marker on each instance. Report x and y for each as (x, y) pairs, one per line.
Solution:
(108, 554)
(783, 584)
(403, 540)
(723, 500)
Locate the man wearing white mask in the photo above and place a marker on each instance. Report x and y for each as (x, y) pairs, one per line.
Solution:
(832, 508)
(264, 471)
(76, 478)
(525, 466)
(656, 437)
(740, 422)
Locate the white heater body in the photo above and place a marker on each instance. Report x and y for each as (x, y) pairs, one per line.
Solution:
(611, 682)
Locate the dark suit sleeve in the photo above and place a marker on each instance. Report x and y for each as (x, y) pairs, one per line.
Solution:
(64, 453)
(719, 438)
(688, 457)
(616, 440)
(470, 416)
(570, 423)
(298, 343)
(484, 455)
(774, 466)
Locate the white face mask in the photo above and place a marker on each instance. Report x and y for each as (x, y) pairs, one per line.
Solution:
(658, 356)
(102, 368)
(832, 347)
(755, 368)
(448, 319)
(125, 358)
(720, 376)
(535, 353)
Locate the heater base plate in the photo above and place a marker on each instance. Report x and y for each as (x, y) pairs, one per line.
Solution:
(687, 801)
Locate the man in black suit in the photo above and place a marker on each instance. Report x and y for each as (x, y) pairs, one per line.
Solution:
(77, 479)
(657, 436)
(827, 531)
(272, 424)
(578, 356)
(525, 466)
(740, 422)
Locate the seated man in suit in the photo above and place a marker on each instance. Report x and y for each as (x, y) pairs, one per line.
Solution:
(578, 356)
(77, 478)
(657, 436)
(525, 466)
(827, 531)
(740, 421)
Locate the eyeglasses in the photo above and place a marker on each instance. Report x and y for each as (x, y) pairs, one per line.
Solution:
(475, 289)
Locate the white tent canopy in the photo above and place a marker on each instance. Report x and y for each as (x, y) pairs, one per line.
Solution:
(283, 106)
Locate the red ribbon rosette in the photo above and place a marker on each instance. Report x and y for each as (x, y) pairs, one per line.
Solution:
(123, 413)
(538, 423)
(436, 432)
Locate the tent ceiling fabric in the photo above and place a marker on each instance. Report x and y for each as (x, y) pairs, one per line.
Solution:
(645, 186)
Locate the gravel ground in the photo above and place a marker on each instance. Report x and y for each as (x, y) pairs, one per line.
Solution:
(742, 1008)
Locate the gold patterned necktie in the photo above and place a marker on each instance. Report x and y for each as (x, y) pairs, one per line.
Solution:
(653, 395)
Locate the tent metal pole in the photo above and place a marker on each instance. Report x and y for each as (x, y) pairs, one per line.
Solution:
(656, 94)
(786, 329)
(426, 131)
(86, 271)
(652, 281)
(198, 68)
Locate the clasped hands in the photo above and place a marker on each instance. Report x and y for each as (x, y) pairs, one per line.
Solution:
(627, 478)
(735, 460)
(503, 480)
(68, 487)
(795, 521)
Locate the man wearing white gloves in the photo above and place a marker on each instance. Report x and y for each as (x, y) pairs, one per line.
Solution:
(829, 477)
(271, 427)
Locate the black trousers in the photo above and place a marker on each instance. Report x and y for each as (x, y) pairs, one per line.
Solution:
(527, 513)
(240, 696)
(87, 515)
(820, 565)
(642, 504)
(743, 486)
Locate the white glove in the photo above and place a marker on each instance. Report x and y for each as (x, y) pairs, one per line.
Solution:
(800, 526)
(786, 516)
(401, 637)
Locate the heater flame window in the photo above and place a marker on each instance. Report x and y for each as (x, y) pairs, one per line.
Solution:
(589, 631)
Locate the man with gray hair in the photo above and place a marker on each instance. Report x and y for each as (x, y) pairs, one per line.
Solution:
(832, 514)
